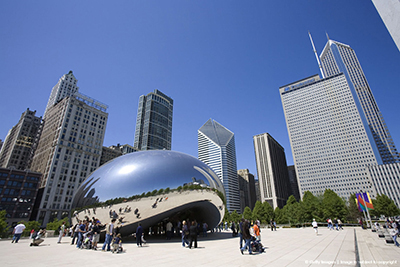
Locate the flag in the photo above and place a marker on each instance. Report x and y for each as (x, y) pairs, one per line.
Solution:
(364, 200)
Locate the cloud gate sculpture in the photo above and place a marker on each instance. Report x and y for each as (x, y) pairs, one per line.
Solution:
(150, 187)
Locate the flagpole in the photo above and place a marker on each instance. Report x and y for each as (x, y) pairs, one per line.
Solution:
(366, 208)
(365, 217)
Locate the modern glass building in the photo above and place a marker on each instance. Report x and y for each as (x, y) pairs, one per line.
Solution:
(216, 148)
(154, 122)
(331, 141)
(340, 58)
(386, 178)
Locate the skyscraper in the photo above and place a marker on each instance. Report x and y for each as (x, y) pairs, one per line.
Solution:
(68, 151)
(18, 146)
(247, 188)
(66, 86)
(389, 10)
(273, 176)
(330, 138)
(341, 58)
(154, 122)
(216, 148)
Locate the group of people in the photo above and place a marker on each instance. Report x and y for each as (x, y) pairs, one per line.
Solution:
(36, 236)
(337, 223)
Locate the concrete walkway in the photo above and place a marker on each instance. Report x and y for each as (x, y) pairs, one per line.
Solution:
(284, 247)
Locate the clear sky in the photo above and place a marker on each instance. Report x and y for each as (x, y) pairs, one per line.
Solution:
(221, 59)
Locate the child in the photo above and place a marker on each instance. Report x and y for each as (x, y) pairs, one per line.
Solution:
(117, 244)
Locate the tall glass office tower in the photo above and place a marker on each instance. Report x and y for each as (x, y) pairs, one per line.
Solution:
(154, 122)
(216, 148)
(335, 127)
(336, 58)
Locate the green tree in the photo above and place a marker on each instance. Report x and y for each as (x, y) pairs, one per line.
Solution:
(258, 212)
(4, 228)
(247, 213)
(280, 216)
(269, 211)
(354, 213)
(333, 206)
(227, 216)
(292, 210)
(235, 216)
(311, 208)
(383, 205)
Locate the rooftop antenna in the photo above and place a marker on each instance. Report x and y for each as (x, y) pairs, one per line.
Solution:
(316, 56)
(327, 36)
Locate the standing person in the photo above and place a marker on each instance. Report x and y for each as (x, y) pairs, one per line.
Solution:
(257, 232)
(185, 234)
(335, 221)
(394, 233)
(109, 236)
(169, 230)
(205, 228)
(96, 234)
(315, 226)
(193, 234)
(18, 229)
(246, 237)
(81, 231)
(275, 225)
(233, 228)
(271, 223)
(75, 232)
(61, 232)
(340, 224)
(139, 233)
(241, 233)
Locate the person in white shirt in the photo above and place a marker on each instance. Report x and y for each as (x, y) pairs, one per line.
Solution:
(315, 226)
(18, 229)
(62, 231)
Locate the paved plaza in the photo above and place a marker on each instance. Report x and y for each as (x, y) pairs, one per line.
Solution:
(284, 247)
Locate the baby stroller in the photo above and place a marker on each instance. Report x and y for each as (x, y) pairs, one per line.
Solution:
(87, 241)
(256, 246)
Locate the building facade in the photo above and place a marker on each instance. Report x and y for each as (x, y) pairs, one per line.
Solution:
(330, 138)
(341, 58)
(293, 182)
(154, 122)
(68, 151)
(389, 10)
(18, 190)
(216, 148)
(18, 147)
(386, 179)
(248, 196)
(65, 87)
(272, 171)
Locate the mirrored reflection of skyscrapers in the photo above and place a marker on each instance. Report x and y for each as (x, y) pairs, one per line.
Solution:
(216, 148)
(154, 122)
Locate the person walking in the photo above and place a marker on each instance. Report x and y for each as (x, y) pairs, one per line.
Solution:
(139, 233)
(315, 226)
(193, 234)
(109, 236)
(246, 237)
(241, 233)
(18, 229)
(61, 230)
(394, 233)
(185, 234)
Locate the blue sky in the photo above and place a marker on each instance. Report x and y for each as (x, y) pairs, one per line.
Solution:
(223, 60)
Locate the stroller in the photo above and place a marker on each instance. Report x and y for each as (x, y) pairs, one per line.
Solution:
(87, 242)
(256, 246)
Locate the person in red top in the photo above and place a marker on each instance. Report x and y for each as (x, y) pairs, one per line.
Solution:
(257, 232)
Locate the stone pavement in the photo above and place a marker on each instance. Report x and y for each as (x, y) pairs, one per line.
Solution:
(284, 247)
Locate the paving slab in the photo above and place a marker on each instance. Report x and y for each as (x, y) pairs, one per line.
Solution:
(284, 247)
